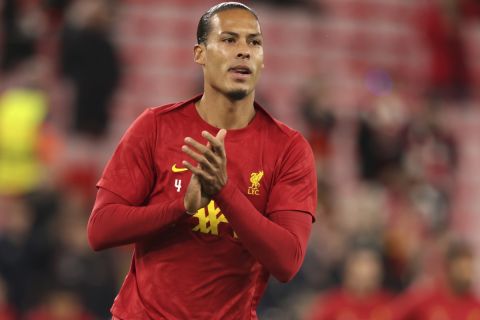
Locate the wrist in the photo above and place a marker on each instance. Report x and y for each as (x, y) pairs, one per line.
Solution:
(226, 191)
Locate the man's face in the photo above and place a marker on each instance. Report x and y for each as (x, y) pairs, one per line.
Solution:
(363, 272)
(232, 56)
(461, 274)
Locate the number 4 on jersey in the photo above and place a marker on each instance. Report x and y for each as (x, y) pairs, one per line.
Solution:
(178, 184)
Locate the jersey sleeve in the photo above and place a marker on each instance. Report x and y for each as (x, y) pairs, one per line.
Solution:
(295, 182)
(130, 173)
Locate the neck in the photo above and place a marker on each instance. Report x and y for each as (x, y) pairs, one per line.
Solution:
(222, 112)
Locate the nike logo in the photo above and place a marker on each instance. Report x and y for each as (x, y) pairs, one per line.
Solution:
(176, 170)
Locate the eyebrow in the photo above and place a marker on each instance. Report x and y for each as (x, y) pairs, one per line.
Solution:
(251, 35)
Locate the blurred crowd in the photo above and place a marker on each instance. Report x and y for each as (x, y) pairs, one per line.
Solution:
(391, 250)
(47, 174)
(388, 251)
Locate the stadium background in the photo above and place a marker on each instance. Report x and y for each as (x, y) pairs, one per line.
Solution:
(385, 91)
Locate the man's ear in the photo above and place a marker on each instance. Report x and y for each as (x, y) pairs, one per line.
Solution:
(199, 54)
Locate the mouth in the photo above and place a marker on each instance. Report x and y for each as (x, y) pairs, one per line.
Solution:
(240, 70)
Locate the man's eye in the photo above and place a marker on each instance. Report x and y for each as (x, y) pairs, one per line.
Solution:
(257, 42)
(229, 40)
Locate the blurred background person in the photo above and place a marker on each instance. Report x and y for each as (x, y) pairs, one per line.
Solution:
(319, 118)
(59, 304)
(7, 310)
(450, 297)
(24, 255)
(361, 296)
(86, 275)
(440, 25)
(430, 161)
(24, 148)
(89, 59)
(379, 88)
(380, 144)
(22, 26)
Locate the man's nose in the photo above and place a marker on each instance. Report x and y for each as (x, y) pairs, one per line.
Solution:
(243, 51)
(243, 55)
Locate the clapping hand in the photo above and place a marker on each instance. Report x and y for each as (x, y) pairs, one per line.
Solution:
(210, 175)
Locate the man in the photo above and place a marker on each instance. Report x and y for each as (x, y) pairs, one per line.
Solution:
(212, 214)
(361, 296)
(451, 298)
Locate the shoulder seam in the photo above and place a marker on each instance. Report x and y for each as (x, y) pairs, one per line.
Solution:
(171, 106)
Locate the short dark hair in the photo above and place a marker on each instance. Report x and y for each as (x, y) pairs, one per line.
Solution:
(203, 28)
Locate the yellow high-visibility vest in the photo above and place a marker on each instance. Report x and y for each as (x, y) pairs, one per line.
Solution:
(22, 112)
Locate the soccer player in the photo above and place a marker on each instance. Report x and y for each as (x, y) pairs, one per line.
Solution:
(214, 194)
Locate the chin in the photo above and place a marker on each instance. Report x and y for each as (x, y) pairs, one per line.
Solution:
(238, 94)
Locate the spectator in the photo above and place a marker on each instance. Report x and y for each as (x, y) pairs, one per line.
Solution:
(361, 296)
(75, 267)
(7, 311)
(24, 107)
(452, 299)
(440, 27)
(60, 305)
(23, 254)
(380, 140)
(317, 113)
(430, 161)
(21, 29)
(89, 59)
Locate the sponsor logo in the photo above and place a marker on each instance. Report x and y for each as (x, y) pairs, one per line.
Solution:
(209, 219)
(175, 169)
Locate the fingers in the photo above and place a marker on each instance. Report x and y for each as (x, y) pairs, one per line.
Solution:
(204, 163)
(221, 135)
(197, 145)
(217, 142)
(211, 169)
(196, 170)
(202, 149)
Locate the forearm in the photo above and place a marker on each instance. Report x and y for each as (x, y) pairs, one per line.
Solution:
(114, 222)
(279, 244)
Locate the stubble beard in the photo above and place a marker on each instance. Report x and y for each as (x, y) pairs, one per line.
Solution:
(236, 95)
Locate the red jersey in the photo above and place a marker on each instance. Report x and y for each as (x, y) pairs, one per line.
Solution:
(7, 313)
(440, 304)
(339, 305)
(197, 267)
